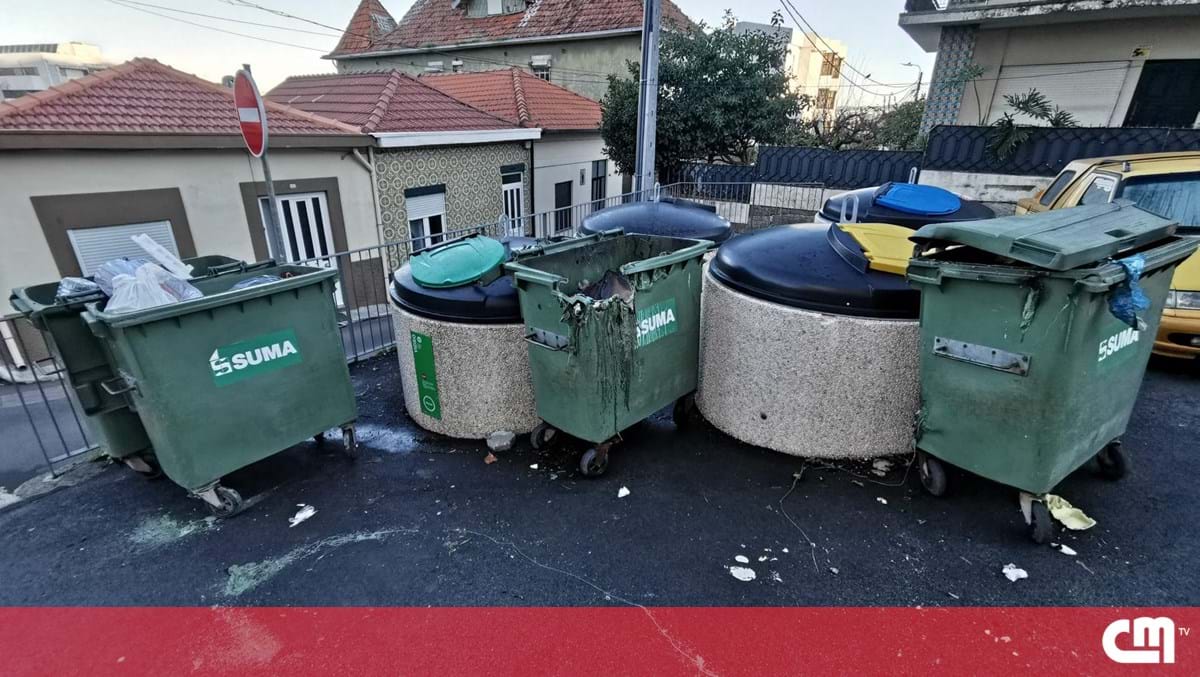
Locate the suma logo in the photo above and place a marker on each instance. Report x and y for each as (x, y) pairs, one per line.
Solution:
(247, 359)
(1117, 342)
(1153, 640)
(656, 322)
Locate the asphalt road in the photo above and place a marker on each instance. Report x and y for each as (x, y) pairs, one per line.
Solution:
(421, 520)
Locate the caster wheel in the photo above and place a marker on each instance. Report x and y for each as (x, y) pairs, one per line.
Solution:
(543, 436)
(1112, 461)
(145, 466)
(319, 438)
(231, 502)
(593, 463)
(1041, 524)
(933, 474)
(350, 443)
(685, 413)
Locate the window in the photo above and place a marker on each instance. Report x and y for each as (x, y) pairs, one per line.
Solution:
(426, 215)
(1051, 194)
(831, 64)
(540, 64)
(1167, 94)
(1099, 191)
(495, 7)
(512, 190)
(304, 219)
(599, 183)
(94, 246)
(825, 98)
(14, 93)
(434, 67)
(456, 65)
(20, 70)
(70, 73)
(563, 219)
(1173, 196)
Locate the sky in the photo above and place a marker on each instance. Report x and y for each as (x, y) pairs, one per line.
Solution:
(877, 46)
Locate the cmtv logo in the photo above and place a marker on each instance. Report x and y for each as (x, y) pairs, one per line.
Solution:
(1153, 640)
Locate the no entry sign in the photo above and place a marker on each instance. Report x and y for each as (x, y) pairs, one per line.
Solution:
(252, 116)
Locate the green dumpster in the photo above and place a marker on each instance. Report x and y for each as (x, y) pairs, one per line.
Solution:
(612, 323)
(230, 378)
(86, 365)
(1027, 372)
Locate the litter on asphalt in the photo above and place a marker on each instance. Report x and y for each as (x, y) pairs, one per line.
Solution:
(1071, 517)
(1014, 573)
(306, 511)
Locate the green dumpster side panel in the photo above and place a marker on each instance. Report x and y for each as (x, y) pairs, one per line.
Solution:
(205, 424)
(599, 368)
(1083, 366)
(1059, 239)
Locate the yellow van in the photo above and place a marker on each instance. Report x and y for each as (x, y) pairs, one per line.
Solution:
(1165, 183)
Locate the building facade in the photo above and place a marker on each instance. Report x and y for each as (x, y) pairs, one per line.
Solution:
(1110, 63)
(814, 66)
(25, 69)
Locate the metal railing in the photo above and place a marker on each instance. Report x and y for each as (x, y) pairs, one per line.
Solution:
(41, 424)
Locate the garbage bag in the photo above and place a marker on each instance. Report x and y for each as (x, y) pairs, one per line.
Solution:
(1128, 299)
(612, 284)
(75, 287)
(255, 281)
(112, 268)
(149, 287)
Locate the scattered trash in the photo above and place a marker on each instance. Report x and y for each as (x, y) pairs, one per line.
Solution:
(776, 577)
(490, 458)
(75, 287)
(834, 571)
(501, 440)
(1014, 573)
(1064, 549)
(762, 558)
(881, 499)
(306, 511)
(622, 492)
(256, 281)
(114, 267)
(744, 574)
(953, 596)
(881, 467)
(533, 466)
(1070, 516)
(149, 287)
(612, 284)
(785, 550)
(7, 498)
(742, 559)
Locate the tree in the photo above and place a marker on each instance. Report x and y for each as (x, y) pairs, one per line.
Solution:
(900, 127)
(721, 94)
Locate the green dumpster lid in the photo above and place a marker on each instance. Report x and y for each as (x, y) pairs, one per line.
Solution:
(1059, 239)
(458, 262)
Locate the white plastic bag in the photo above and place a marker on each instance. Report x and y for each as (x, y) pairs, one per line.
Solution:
(151, 286)
(165, 258)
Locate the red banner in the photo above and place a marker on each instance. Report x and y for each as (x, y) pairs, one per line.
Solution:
(626, 640)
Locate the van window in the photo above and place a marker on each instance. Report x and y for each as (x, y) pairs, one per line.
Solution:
(1099, 191)
(1064, 179)
(1173, 196)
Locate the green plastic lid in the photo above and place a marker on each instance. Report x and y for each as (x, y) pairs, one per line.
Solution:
(459, 262)
(1059, 239)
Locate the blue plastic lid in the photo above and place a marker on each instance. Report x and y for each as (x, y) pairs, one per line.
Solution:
(912, 198)
(459, 262)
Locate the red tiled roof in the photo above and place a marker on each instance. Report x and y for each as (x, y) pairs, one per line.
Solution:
(442, 23)
(369, 23)
(388, 101)
(143, 97)
(521, 98)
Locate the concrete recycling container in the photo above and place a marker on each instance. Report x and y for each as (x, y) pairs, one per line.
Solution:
(809, 341)
(86, 365)
(1035, 335)
(460, 340)
(233, 377)
(612, 325)
(667, 217)
(902, 204)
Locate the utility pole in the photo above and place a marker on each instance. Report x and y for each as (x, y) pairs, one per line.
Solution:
(648, 99)
(920, 77)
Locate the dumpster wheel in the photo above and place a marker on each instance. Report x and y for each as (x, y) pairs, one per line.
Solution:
(221, 501)
(594, 461)
(933, 474)
(543, 436)
(350, 442)
(685, 413)
(1041, 524)
(1112, 461)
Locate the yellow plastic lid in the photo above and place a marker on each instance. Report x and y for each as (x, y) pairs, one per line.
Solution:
(887, 247)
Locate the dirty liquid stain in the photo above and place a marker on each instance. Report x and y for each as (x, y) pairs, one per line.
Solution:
(246, 577)
(164, 529)
(389, 440)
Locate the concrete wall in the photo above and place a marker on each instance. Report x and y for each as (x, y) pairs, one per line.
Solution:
(561, 157)
(471, 175)
(578, 65)
(207, 182)
(1078, 47)
(998, 191)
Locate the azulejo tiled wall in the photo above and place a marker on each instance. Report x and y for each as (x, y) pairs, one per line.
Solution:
(471, 175)
(956, 50)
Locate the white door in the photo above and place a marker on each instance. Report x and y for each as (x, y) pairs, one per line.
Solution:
(307, 234)
(512, 188)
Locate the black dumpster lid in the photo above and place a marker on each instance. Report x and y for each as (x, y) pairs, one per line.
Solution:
(668, 217)
(817, 267)
(493, 303)
(870, 211)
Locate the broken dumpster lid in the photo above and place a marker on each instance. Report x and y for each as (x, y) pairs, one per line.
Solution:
(1059, 239)
(479, 302)
(459, 262)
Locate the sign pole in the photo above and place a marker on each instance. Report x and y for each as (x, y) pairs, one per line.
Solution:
(648, 99)
(252, 118)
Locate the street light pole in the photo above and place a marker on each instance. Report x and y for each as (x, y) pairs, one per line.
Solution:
(920, 78)
(648, 99)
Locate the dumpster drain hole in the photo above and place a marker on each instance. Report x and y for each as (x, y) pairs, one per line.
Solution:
(763, 416)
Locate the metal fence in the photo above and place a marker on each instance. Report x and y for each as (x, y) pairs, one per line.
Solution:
(41, 425)
(1048, 149)
(845, 169)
